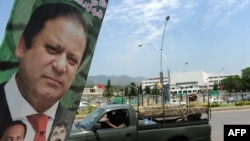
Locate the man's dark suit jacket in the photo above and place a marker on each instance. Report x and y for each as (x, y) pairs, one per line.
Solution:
(62, 113)
(5, 117)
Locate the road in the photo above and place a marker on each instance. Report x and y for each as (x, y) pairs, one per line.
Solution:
(220, 118)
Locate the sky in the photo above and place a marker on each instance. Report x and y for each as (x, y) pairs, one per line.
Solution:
(201, 35)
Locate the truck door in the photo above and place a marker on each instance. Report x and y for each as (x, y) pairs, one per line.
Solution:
(113, 134)
(114, 125)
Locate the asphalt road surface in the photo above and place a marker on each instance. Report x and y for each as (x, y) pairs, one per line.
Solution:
(220, 118)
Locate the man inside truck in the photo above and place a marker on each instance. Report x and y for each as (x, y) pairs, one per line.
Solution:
(117, 119)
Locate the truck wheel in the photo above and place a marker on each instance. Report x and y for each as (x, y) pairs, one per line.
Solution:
(179, 139)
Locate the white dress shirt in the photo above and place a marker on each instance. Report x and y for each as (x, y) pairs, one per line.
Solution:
(20, 108)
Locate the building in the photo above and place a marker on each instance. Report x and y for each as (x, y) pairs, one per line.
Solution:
(94, 92)
(188, 82)
(181, 82)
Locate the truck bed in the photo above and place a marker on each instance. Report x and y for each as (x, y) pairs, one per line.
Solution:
(187, 131)
(187, 124)
(158, 112)
(171, 123)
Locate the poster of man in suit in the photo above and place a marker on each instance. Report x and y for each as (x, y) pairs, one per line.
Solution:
(45, 57)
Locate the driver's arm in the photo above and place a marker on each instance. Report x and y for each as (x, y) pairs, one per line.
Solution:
(110, 124)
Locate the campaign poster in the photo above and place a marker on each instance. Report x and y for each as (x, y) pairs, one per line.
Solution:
(45, 56)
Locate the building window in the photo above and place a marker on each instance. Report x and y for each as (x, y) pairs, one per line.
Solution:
(92, 90)
(187, 83)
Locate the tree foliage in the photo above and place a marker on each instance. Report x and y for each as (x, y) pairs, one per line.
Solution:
(147, 90)
(246, 78)
(126, 91)
(133, 89)
(140, 91)
(236, 83)
(156, 90)
(228, 83)
(108, 92)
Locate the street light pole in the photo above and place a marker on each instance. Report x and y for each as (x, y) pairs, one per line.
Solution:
(219, 82)
(161, 56)
(167, 18)
(137, 97)
(219, 75)
(164, 57)
(161, 73)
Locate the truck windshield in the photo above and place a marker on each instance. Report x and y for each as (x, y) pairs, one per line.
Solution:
(91, 117)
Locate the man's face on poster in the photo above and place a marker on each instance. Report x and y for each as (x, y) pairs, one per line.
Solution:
(14, 133)
(58, 134)
(47, 69)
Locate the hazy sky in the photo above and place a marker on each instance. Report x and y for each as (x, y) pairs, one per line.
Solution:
(201, 35)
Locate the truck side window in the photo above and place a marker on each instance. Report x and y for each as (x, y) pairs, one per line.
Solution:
(116, 119)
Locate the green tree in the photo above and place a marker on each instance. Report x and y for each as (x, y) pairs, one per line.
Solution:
(216, 86)
(140, 91)
(156, 92)
(147, 90)
(126, 91)
(133, 89)
(232, 83)
(108, 92)
(238, 83)
(228, 84)
(246, 78)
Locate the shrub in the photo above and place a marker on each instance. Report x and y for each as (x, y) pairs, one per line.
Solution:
(246, 102)
(239, 103)
(91, 108)
(214, 104)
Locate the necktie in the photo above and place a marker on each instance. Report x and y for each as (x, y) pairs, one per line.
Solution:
(39, 124)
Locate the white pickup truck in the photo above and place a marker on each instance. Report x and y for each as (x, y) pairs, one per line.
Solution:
(177, 102)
